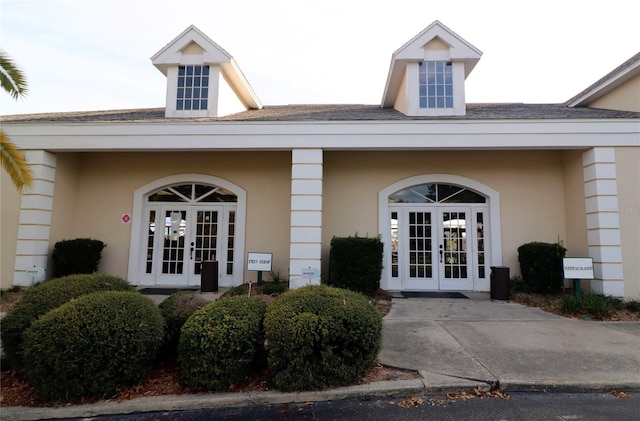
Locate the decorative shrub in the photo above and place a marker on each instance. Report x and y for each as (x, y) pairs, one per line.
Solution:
(92, 346)
(356, 263)
(597, 305)
(46, 296)
(319, 336)
(81, 255)
(269, 288)
(541, 266)
(236, 291)
(222, 342)
(176, 309)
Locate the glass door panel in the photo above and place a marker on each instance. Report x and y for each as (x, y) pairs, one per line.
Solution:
(454, 248)
(173, 254)
(418, 258)
(205, 241)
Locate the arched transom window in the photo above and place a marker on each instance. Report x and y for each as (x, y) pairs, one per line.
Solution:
(193, 193)
(436, 193)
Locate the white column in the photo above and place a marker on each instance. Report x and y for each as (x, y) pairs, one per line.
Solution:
(306, 217)
(603, 223)
(35, 220)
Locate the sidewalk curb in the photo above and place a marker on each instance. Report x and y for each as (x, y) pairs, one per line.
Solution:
(440, 384)
(392, 388)
(560, 386)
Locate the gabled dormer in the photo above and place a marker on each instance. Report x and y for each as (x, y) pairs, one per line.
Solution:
(427, 74)
(203, 80)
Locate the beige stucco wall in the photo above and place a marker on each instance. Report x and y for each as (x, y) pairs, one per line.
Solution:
(530, 184)
(624, 97)
(9, 216)
(575, 211)
(99, 190)
(628, 172)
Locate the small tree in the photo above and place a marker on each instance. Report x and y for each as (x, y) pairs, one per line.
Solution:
(14, 83)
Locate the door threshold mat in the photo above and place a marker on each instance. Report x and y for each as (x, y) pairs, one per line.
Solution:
(428, 294)
(164, 291)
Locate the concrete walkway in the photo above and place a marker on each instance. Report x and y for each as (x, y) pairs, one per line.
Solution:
(456, 345)
(510, 346)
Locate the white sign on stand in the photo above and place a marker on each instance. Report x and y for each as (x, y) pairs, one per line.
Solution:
(310, 273)
(578, 267)
(259, 261)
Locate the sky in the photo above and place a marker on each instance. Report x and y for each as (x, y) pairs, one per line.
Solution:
(84, 55)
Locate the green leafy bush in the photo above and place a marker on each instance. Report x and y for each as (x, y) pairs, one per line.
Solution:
(632, 305)
(81, 255)
(356, 263)
(46, 296)
(236, 291)
(599, 306)
(319, 336)
(269, 288)
(92, 346)
(516, 285)
(176, 310)
(541, 267)
(222, 343)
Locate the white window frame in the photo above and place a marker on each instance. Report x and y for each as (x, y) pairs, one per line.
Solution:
(493, 213)
(135, 274)
(413, 91)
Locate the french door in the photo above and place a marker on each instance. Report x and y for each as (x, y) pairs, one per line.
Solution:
(437, 247)
(180, 238)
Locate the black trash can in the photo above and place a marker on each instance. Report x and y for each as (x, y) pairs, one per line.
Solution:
(209, 277)
(500, 283)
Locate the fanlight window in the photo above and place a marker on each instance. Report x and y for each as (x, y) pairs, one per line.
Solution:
(436, 193)
(193, 193)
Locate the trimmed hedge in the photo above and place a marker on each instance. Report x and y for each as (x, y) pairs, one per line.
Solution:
(46, 296)
(356, 263)
(176, 310)
(222, 343)
(319, 336)
(541, 266)
(92, 346)
(81, 255)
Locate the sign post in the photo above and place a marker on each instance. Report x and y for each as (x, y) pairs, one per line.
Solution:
(577, 268)
(259, 262)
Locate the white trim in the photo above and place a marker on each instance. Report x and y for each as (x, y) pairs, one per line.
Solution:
(138, 223)
(493, 204)
(330, 135)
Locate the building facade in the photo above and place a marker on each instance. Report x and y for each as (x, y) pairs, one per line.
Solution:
(452, 188)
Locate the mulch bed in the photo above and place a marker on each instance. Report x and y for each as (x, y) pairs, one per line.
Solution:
(165, 377)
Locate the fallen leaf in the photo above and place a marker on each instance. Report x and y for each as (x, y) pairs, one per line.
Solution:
(620, 394)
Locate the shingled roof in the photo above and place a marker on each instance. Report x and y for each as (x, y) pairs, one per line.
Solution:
(339, 112)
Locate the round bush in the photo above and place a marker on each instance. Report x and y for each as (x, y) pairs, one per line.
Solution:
(46, 296)
(92, 346)
(176, 309)
(321, 336)
(222, 342)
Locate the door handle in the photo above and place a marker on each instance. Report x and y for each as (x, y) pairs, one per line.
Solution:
(191, 251)
(440, 253)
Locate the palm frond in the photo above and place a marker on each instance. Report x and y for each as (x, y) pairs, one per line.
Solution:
(12, 80)
(14, 163)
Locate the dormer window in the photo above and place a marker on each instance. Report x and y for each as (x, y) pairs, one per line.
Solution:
(427, 74)
(203, 80)
(435, 84)
(193, 88)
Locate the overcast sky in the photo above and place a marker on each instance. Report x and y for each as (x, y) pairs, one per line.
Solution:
(94, 54)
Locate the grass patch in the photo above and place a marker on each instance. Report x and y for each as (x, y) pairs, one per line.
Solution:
(599, 306)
